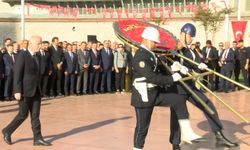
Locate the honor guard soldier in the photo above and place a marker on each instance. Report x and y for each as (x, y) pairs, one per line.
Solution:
(188, 31)
(148, 90)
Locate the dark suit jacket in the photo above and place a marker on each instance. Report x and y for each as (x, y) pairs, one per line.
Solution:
(70, 65)
(26, 74)
(213, 55)
(2, 68)
(94, 59)
(229, 60)
(107, 59)
(45, 63)
(56, 56)
(9, 64)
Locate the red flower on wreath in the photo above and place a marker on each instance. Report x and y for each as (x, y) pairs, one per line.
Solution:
(131, 30)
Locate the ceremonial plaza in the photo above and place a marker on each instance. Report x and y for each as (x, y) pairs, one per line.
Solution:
(83, 75)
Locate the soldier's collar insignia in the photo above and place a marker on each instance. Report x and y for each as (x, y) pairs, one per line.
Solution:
(141, 64)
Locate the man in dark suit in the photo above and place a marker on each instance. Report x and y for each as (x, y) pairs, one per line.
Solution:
(107, 67)
(220, 51)
(83, 63)
(70, 67)
(45, 67)
(94, 69)
(27, 92)
(210, 57)
(227, 66)
(56, 53)
(9, 60)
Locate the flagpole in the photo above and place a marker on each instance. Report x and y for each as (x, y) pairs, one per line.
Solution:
(22, 20)
(239, 10)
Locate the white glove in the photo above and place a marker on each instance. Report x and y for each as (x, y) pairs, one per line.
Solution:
(202, 66)
(184, 70)
(176, 66)
(176, 77)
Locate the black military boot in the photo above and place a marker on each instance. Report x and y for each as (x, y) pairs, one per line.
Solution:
(222, 141)
(176, 147)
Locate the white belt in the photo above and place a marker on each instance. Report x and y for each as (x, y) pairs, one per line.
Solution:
(142, 86)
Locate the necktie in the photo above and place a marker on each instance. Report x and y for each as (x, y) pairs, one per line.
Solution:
(71, 56)
(12, 56)
(36, 60)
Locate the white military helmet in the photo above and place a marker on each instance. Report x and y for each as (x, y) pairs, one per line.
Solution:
(151, 33)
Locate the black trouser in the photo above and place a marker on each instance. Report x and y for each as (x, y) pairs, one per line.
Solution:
(237, 70)
(106, 80)
(8, 86)
(143, 115)
(26, 105)
(93, 81)
(56, 80)
(69, 81)
(245, 75)
(213, 120)
(120, 79)
(44, 84)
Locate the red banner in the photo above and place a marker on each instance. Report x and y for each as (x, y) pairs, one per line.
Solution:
(144, 14)
(161, 12)
(127, 12)
(111, 12)
(152, 13)
(104, 14)
(59, 10)
(169, 13)
(239, 28)
(67, 11)
(134, 13)
(119, 13)
(75, 12)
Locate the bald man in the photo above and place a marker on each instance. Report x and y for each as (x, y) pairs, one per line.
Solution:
(27, 92)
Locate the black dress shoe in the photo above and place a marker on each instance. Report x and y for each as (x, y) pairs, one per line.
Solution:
(198, 140)
(41, 142)
(6, 137)
(176, 147)
(60, 94)
(96, 92)
(222, 141)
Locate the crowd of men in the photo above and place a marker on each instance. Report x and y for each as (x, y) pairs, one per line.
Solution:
(80, 68)
(76, 68)
(228, 60)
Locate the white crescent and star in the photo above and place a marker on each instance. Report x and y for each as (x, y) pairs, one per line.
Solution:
(238, 33)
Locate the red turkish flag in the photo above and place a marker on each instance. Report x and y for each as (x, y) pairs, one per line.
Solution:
(203, 6)
(52, 10)
(59, 10)
(127, 12)
(104, 14)
(161, 13)
(119, 13)
(111, 12)
(75, 12)
(144, 13)
(134, 13)
(169, 13)
(67, 11)
(177, 9)
(239, 28)
(28, 9)
(152, 13)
